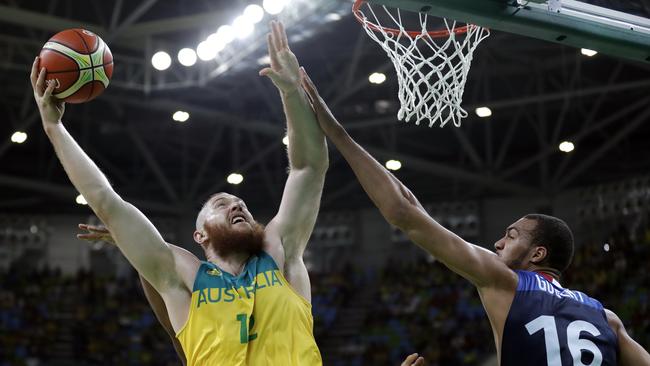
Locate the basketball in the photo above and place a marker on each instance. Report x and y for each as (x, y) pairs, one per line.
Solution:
(79, 62)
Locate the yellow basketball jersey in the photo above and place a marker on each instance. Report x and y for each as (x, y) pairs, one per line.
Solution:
(253, 319)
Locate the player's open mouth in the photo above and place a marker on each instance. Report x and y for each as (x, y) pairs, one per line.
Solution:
(237, 219)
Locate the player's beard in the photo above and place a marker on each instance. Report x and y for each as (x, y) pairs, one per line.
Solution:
(225, 241)
(517, 263)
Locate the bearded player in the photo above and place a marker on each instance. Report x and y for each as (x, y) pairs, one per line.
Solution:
(249, 303)
(535, 321)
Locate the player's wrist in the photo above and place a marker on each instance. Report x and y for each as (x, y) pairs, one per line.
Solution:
(290, 91)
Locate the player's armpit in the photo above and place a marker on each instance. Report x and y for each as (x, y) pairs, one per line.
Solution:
(478, 265)
(145, 249)
(631, 353)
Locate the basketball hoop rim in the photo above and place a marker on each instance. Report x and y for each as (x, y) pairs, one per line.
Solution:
(413, 34)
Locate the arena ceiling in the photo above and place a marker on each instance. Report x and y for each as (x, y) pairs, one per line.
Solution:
(540, 94)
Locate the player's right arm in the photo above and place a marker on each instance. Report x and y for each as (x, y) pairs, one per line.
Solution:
(402, 209)
(100, 233)
(631, 353)
(138, 239)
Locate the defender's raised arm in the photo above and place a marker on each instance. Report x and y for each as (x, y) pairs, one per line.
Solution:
(401, 208)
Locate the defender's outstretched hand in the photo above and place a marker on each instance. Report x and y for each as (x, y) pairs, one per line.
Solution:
(284, 64)
(413, 360)
(326, 119)
(50, 107)
(95, 233)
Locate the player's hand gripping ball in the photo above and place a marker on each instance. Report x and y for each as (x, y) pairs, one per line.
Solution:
(79, 63)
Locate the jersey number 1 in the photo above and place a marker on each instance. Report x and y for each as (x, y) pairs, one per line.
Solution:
(574, 342)
(244, 337)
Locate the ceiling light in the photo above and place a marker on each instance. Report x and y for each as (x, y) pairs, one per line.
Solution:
(567, 146)
(81, 200)
(393, 165)
(217, 43)
(161, 60)
(187, 57)
(274, 7)
(180, 116)
(235, 178)
(264, 60)
(18, 137)
(483, 112)
(285, 140)
(225, 34)
(206, 51)
(254, 13)
(242, 27)
(332, 17)
(588, 52)
(377, 78)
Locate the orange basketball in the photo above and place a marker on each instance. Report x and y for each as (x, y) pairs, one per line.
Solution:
(80, 64)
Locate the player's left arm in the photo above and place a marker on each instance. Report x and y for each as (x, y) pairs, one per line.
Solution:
(291, 228)
(631, 353)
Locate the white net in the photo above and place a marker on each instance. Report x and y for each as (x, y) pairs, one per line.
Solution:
(431, 67)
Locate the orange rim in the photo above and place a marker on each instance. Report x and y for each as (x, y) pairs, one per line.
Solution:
(378, 28)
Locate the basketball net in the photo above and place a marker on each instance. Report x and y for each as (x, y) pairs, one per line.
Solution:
(431, 66)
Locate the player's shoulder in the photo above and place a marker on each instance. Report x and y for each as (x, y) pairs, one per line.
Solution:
(613, 320)
(526, 280)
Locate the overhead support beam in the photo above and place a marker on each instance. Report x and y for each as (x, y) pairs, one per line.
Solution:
(115, 16)
(613, 141)
(247, 165)
(442, 170)
(153, 164)
(563, 95)
(221, 118)
(468, 147)
(69, 193)
(32, 19)
(207, 158)
(126, 34)
(575, 138)
(355, 87)
(133, 16)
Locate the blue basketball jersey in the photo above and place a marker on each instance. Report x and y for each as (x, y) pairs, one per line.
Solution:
(549, 325)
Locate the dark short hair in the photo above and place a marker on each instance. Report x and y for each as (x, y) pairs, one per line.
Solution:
(555, 235)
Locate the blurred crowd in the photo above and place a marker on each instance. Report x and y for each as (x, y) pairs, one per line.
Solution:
(92, 319)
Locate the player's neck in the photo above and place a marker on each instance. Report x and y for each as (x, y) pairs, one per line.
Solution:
(232, 263)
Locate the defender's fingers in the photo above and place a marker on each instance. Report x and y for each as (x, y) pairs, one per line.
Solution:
(276, 36)
(40, 81)
(283, 36)
(409, 360)
(82, 226)
(273, 53)
(33, 76)
(309, 86)
(98, 229)
(419, 362)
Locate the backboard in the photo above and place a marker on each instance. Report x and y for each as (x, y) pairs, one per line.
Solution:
(568, 22)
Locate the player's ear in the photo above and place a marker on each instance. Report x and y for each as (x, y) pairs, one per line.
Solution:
(200, 237)
(538, 254)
